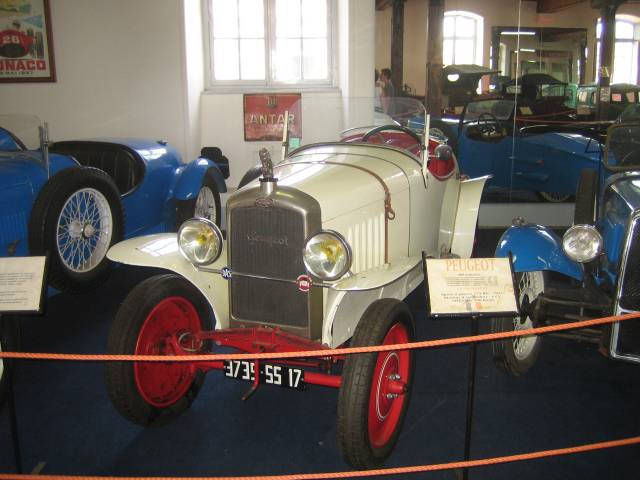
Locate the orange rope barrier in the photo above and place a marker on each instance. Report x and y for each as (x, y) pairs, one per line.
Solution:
(365, 473)
(321, 353)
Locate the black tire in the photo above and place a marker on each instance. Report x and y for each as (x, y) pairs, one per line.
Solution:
(9, 342)
(361, 447)
(46, 223)
(442, 130)
(126, 336)
(516, 356)
(251, 174)
(199, 206)
(584, 210)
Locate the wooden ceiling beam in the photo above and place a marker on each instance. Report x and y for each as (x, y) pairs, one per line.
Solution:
(550, 6)
(383, 4)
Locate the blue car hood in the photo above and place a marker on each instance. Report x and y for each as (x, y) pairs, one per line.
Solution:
(569, 142)
(21, 168)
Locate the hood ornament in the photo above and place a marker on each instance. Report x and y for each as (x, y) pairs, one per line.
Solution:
(267, 164)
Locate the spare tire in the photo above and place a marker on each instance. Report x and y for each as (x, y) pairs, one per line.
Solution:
(76, 217)
(250, 175)
(584, 210)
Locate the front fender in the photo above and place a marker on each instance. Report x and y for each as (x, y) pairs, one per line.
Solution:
(161, 251)
(535, 248)
(191, 175)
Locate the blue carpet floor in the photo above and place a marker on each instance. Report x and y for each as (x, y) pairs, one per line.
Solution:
(573, 396)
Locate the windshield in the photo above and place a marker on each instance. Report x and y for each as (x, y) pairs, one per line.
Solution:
(18, 131)
(622, 150)
(500, 109)
(316, 118)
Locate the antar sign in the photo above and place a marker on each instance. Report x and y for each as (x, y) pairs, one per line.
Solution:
(264, 116)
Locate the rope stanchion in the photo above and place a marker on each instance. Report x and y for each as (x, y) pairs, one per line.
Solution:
(367, 473)
(321, 353)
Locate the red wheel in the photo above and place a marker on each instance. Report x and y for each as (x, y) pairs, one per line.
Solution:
(162, 384)
(157, 315)
(386, 403)
(376, 387)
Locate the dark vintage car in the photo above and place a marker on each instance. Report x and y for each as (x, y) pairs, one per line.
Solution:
(622, 95)
(592, 271)
(460, 85)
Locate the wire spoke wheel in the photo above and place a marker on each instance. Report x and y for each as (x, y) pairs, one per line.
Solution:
(84, 230)
(517, 355)
(206, 205)
(554, 197)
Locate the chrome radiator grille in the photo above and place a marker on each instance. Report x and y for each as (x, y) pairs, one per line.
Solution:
(630, 292)
(627, 336)
(267, 242)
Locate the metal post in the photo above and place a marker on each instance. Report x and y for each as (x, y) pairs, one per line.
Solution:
(11, 406)
(607, 51)
(397, 47)
(471, 389)
(435, 41)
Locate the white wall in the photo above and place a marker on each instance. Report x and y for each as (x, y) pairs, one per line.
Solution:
(136, 68)
(120, 72)
(222, 113)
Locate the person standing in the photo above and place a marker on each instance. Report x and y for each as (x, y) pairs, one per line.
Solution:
(388, 91)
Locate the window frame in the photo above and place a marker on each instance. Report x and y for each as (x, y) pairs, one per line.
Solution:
(478, 37)
(269, 84)
(634, 42)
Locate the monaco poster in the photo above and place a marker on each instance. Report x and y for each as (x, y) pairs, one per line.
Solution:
(26, 47)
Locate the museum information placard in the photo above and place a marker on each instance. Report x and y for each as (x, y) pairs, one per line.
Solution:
(459, 286)
(21, 284)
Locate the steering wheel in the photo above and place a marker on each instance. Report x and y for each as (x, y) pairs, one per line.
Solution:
(487, 124)
(626, 160)
(398, 128)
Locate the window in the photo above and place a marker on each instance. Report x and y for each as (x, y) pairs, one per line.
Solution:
(462, 38)
(625, 62)
(270, 42)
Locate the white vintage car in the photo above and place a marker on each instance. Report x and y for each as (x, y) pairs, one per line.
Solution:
(320, 252)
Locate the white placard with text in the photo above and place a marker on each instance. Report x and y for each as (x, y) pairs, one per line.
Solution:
(21, 284)
(459, 286)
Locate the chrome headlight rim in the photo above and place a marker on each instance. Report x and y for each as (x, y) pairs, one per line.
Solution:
(345, 245)
(211, 226)
(596, 237)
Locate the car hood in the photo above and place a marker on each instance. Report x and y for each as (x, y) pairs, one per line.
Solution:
(20, 168)
(573, 143)
(343, 182)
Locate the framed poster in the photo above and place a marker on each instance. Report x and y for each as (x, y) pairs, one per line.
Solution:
(264, 116)
(26, 46)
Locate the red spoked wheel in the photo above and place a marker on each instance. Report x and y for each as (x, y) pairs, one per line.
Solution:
(162, 384)
(376, 387)
(389, 388)
(160, 313)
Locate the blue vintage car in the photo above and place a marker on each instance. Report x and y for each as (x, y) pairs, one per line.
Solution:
(72, 200)
(592, 271)
(524, 154)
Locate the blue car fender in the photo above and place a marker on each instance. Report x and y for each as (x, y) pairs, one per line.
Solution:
(190, 178)
(535, 248)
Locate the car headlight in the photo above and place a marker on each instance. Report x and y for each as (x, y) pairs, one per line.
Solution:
(582, 243)
(200, 241)
(327, 255)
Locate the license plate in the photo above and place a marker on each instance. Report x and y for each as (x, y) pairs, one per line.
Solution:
(287, 377)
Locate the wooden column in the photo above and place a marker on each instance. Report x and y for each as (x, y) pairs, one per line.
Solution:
(397, 46)
(608, 9)
(433, 86)
(583, 63)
